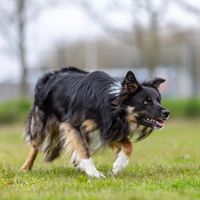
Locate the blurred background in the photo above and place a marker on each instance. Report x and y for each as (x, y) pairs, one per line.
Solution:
(150, 37)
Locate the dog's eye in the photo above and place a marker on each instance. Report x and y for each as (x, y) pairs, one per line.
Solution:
(147, 101)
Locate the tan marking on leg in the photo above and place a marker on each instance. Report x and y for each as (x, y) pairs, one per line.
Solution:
(79, 146)
(91, 133)
(75, 140)
(89, 126)
(30, 159)
(116, 147)
(127, 147)
(124, 150)
(124, 145)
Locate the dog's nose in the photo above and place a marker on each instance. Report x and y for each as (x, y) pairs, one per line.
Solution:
(165, 113)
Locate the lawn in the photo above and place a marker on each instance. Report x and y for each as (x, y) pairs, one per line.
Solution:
(164, 166)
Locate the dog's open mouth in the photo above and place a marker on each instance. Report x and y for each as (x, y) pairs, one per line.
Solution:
(154, 123)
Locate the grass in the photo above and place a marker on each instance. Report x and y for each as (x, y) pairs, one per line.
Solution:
(164, 166)
(183, 107)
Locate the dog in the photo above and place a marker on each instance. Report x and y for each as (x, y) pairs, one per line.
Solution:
(81, 112)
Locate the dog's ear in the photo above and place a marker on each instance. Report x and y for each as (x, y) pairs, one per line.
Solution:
(156, 82)
(130, 83)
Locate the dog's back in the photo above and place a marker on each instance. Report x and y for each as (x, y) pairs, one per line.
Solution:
(48, 81)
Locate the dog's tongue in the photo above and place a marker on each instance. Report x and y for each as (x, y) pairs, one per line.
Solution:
(160, 123)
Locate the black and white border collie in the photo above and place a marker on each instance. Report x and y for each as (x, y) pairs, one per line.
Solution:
(80, 112)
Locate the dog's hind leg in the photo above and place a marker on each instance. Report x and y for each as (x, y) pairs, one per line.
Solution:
(34, 135)
(123, 149)
(77, 144)
(30, 159)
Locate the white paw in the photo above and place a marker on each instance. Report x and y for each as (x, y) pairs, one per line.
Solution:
(89, 168)
(120, 163)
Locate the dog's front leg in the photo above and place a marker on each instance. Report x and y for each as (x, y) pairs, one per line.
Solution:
(80, 150)
(123, 149)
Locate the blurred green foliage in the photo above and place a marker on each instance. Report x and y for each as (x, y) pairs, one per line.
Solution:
(183, 107)
(14, 110)
(17, 110)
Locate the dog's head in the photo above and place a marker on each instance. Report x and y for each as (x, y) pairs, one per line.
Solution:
(142, 101)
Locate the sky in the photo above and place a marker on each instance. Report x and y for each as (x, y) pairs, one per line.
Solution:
(70, 23)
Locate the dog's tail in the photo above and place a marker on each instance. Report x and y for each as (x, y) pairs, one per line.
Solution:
(35, 125)
(43, 133)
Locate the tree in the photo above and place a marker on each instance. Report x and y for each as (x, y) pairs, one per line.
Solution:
(146, 37)
(192, 48)
(21, 46)
(15, 15)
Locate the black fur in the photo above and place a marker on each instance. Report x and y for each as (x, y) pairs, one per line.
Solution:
(77, 96)
(74, 95)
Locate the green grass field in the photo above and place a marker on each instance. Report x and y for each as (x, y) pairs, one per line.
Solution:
(164, 166)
